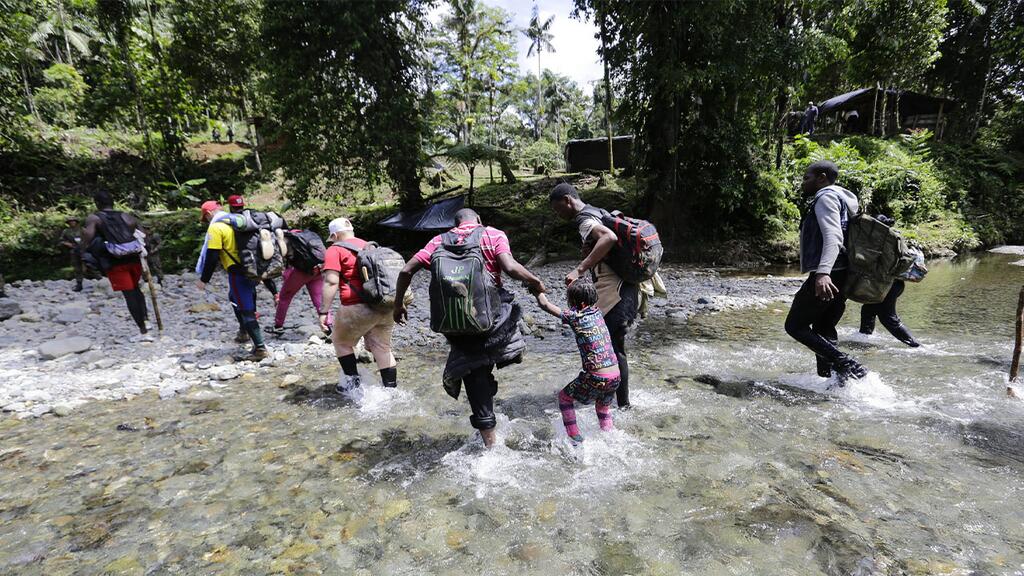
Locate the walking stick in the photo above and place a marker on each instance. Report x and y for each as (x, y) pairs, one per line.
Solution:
(152, 293)
(1019, 336)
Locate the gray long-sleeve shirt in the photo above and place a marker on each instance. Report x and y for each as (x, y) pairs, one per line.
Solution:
(822, 233)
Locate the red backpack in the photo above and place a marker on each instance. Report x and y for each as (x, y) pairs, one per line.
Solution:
(637, 254)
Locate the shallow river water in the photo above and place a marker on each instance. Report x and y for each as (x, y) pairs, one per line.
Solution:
(736, 460)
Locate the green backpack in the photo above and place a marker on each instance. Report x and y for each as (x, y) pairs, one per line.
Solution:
(878, 254)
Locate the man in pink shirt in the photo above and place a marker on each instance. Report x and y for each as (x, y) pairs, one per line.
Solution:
(472, 359)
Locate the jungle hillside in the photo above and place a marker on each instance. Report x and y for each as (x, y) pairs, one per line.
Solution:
(320, 109)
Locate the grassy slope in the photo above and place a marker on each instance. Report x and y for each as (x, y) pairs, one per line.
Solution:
(28, 238)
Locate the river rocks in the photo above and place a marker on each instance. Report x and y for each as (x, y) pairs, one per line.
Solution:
(37, 396)
(64, 346)
(71, 313)
(224, 372)
(124, 566)
(290, 380)
(8, 309)
(204, 307)
(63, 408)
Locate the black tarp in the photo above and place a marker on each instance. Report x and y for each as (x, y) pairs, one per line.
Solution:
(592, 154)
(911, 103)
(862, 109)
(436, 216)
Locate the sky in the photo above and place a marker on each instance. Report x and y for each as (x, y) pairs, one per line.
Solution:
(575, 53)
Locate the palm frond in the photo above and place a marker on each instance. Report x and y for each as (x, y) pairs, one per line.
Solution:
(79, 40)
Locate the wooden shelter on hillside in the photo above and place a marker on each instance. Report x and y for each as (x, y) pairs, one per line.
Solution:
(592, 153)
(885, 111)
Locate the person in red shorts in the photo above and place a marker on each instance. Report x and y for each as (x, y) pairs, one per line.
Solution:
(115, 227)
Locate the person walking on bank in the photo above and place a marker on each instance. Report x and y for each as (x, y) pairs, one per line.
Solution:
(819, 304)
(220, 246)
(355, 319)
(618, 300)
(810, 117)
(153, 244)
(472, 358)
(71, 240)
(115, 230)
(236, 205)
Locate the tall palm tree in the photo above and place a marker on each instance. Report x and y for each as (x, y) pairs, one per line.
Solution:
(540, 40)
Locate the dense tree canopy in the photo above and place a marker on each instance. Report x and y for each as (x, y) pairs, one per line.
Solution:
(360, 96)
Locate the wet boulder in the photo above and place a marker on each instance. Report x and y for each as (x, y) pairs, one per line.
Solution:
(9, 309)
(64, 346)
(71, 313)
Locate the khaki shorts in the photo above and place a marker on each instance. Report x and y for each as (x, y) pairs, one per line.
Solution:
(361, 321)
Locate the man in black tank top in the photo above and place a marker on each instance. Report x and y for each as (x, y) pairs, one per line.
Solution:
(114, 227)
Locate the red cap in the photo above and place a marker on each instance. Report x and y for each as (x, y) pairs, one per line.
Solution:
(209, 207)
(236, 201)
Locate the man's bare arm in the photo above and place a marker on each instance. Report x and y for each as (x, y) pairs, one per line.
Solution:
(402, 286)
(513, 268)
(89, 230)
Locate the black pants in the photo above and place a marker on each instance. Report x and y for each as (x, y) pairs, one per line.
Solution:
(136, 302)
(812, 321)
(481, 386)
(618, 320)
(885, 311)
(77, 266)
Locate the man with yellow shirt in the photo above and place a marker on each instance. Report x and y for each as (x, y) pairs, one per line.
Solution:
(220, 245)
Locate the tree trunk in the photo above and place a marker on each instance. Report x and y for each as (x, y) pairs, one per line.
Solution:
(64, 32)
(540, 98)
(490, 112)
(471, 169)
(28, 94)
(255, 136)
(874, 111)
(607, 99)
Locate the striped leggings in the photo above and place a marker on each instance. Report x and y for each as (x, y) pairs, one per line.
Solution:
(567, 406)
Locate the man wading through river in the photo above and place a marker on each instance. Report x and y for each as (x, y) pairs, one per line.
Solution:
(473, 355)
(356, 318)
(619, 301)
(819, 304)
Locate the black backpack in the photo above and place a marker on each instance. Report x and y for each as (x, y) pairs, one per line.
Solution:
(261, 243)
(306, 250)
(119, 238)
(378, 268)
(637, 254)
(464, 298)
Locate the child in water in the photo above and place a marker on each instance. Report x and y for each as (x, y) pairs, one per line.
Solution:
(600, 376)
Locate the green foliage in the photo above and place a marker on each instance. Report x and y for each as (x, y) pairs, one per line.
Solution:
(542, 155)
(343, 86)
(895, 178)
(62, 96)
(473, 51)
(986, 184)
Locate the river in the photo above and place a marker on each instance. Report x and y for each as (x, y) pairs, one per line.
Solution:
(736, 460)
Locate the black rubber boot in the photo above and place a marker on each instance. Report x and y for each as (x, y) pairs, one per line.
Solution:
(848, 369)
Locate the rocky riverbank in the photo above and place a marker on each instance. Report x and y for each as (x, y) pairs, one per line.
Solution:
(60, 349)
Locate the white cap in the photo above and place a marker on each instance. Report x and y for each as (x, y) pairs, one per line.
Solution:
(339, 225)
